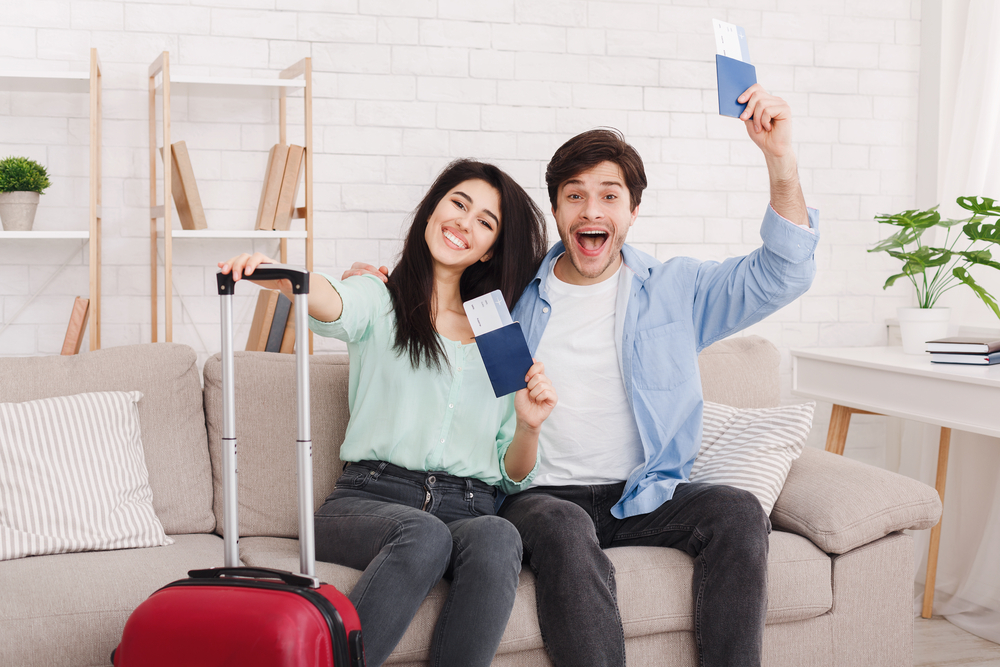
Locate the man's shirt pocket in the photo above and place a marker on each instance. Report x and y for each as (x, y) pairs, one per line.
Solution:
(663, 357)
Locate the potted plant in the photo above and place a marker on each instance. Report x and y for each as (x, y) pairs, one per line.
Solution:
(934, 270)
(22, 181)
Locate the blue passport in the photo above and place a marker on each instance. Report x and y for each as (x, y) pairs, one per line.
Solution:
(735, 76)
(506, 357)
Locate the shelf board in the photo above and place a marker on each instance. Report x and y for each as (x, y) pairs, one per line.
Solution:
(233, 234)
(230, 86)
(47, 82)
(44, 235)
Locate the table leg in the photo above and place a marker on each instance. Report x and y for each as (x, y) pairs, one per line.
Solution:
(932, 551)
(836, 436)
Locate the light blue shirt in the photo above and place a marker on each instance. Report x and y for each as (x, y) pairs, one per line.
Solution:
(421, 419)
(669, 313)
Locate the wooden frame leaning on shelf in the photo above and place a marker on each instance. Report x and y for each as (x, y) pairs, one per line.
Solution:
(73, 82)
(298, 76)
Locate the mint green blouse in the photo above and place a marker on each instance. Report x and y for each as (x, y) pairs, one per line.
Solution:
(421, 419)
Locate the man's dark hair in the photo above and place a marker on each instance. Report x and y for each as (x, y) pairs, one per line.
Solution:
(516, 255)
(589, 149)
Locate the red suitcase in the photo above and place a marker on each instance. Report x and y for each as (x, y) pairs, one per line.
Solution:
(250, 616)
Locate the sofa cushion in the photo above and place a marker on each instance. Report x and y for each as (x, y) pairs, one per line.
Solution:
(751, 449)
(73, 478)
(653, 583)
(741, 372)
(70, 609)
(171, 416)
(842, 504)
(266, 432)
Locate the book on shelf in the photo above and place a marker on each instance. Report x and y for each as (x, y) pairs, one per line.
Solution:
(269, 328)
(184, 188)
(263, 314)
(978, 344)
(77, 326)
(965, 358)
(272, 186)
(279, 323)
(288, 340)
(294, 165)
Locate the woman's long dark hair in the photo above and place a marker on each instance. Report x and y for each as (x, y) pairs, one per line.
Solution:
(517, 253)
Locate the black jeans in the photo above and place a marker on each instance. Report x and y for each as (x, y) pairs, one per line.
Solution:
(407, 530)
(565, 529)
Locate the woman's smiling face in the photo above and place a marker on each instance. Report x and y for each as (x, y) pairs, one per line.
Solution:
(464, 225)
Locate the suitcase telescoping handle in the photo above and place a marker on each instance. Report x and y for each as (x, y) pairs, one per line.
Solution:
(300, 288)
(252, 573)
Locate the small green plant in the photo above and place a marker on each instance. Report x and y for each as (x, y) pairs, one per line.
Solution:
(950, 266)
(19, 174)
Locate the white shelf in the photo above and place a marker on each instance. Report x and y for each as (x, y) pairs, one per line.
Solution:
(44, 235)
(234, 234)
(230, 86)
(48, 82)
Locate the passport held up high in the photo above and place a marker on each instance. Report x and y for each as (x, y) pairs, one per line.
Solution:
(501, 342)
(732, 67)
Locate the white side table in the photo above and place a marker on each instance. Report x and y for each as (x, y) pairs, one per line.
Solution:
(884, 381)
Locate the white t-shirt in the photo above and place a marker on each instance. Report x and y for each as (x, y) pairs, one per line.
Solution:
(591, 436)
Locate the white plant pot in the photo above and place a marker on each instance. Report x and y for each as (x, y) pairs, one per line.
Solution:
(919, 325)
(17, 210)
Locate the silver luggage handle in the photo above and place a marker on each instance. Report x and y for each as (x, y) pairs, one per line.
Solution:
(230, 504)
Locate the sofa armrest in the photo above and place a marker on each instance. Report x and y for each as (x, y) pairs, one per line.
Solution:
(840, 504)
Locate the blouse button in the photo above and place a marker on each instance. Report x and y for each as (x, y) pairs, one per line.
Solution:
(459, 369)
(451, 405)
(545, 309)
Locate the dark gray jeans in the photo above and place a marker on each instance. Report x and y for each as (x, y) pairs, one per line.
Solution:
(407, 530)
(565, 530)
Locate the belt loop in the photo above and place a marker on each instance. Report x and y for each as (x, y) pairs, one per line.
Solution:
(468, 488)
(381, 468)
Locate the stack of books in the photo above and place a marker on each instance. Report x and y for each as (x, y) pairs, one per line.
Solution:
(273, 326)
(979, 350)
(281, 187)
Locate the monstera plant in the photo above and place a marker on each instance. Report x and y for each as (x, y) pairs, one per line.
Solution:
(934, 270)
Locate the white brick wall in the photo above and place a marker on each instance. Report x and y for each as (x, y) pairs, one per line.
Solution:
(403, 87)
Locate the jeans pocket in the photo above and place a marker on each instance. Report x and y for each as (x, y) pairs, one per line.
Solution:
(480, 503)
(355, 477)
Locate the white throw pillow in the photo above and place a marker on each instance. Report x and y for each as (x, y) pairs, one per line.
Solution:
(751, 449)
(73, 476)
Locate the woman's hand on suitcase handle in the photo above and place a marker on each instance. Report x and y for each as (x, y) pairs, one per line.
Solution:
(325, 303)
(242, 267)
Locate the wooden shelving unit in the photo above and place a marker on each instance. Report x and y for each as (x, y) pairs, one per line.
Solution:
(162, 83)
(73, 82)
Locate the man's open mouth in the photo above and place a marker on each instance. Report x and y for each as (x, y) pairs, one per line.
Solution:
(591, 241)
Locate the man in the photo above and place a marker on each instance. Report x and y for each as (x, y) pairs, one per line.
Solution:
(620, 334)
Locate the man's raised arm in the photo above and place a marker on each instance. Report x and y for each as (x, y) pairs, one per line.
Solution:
(769, 124)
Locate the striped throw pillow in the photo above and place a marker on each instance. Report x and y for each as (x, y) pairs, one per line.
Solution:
(73, 476)
(751, 449)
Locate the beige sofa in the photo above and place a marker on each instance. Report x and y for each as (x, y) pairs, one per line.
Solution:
(840, 575)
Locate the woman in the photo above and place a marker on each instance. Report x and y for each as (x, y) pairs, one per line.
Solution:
(428, 442)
